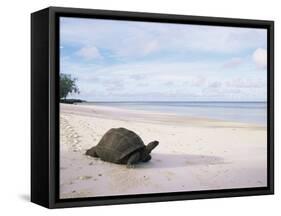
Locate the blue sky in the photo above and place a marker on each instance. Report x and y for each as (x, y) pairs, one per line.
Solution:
(142, 61)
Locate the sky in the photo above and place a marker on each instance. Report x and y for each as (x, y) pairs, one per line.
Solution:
(145, 61)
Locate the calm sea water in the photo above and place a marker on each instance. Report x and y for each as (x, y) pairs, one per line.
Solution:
(248, 112)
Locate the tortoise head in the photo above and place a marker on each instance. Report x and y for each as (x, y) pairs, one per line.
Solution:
(148, 148)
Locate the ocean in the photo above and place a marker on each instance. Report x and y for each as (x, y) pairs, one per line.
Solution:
(246, 112)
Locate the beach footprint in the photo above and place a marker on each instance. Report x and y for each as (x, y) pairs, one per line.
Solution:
(71, 139)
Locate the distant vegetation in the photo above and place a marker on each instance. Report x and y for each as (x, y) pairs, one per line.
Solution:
(67, 86)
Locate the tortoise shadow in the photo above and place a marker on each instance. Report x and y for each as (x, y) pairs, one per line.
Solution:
(166, 160)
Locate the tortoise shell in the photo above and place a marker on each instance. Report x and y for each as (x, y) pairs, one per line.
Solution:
(117, 144)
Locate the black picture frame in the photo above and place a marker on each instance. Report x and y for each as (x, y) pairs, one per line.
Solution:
(45, 106)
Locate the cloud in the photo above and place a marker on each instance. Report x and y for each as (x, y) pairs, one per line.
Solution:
(260, 58)
(151, 47)
(164, 81)
(233, 63)
(246, 83)
(134, 40)
(128, 60)
(198, 81)
(89, 53)
(214, 84)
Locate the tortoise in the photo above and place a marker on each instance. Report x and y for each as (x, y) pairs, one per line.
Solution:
(122, 146)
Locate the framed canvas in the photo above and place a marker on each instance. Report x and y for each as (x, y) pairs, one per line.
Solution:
(132, 107)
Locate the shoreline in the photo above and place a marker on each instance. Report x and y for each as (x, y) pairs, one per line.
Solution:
(150, 116)
(221, 111)
(193, 154)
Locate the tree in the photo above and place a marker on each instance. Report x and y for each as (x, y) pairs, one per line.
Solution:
(67, 85)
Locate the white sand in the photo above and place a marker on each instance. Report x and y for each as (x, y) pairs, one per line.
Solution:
(193, 154)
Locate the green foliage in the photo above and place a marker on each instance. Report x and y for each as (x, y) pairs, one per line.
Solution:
(67, 85)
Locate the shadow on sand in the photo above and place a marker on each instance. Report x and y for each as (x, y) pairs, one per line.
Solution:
(161, 160)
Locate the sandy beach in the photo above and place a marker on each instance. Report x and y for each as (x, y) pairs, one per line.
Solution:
(193, 154)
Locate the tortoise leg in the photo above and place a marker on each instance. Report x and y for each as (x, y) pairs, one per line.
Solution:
(133, 159)
(92, 152)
